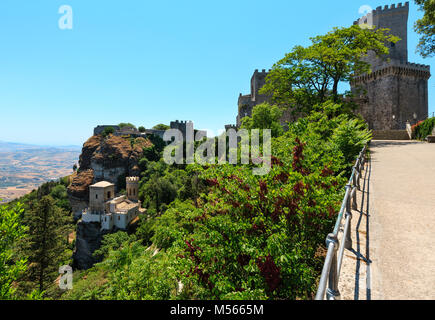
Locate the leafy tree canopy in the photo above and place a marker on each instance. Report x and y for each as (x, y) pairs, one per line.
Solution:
(311, 75)
(264, 116)
(11, 230)
(128, 124)
(161, 126)
(426, 28)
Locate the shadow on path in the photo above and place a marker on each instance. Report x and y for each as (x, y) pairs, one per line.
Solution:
(360, 256)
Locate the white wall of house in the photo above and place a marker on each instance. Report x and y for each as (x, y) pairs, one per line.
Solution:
(107, 222)
(88, 217)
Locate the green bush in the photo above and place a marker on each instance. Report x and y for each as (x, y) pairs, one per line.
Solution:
(424, 129)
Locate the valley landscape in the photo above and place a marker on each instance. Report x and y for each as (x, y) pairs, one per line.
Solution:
(25, 167)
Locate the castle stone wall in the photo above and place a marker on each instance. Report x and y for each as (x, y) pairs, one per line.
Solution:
(396, 91)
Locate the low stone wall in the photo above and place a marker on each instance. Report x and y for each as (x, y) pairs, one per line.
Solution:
(390, 135)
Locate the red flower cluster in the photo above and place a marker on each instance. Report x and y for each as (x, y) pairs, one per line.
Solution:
(257, 229)
(203, 276)
(327, 172)
(276, 161)
(299, 188)
(243, 259)
(213, 182)
(298, 157)
(263, 190)
(270, 271)
(282, 177)
(240, 181)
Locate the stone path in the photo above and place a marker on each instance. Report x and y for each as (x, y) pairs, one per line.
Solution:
(393, 246)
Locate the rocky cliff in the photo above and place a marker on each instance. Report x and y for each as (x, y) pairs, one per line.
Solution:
(88, 239)
(102, 158)
(108, 159)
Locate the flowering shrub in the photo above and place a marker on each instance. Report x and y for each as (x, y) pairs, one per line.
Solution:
(423, 128)
(255, 237)
(246, 236)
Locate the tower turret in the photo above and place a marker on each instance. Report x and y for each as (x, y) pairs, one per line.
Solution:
(132, 188)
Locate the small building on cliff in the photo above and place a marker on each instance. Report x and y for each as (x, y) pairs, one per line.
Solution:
(111, 211)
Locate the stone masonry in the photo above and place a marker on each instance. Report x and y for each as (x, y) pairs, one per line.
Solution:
(396, 91)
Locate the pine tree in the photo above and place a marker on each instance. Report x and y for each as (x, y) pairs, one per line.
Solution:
(46, 245)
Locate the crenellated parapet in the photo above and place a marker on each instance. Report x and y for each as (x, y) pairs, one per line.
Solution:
(132, 179)
(415, 70)
(385, 10)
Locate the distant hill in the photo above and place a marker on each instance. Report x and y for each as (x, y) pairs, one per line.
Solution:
(14, 146)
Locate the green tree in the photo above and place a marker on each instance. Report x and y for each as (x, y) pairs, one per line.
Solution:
(309, 76)
(426, 28)
(141, 129)
(161, 126)
(160, 191)
(126, 124)
(264, 116)
(46, 243)
(11, 230)
(107, 131)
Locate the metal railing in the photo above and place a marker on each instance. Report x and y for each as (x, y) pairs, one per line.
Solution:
(331, 269)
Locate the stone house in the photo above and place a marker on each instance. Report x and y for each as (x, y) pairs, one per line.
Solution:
(111, 211)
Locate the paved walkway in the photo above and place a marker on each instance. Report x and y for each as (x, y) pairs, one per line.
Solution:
(393, 255)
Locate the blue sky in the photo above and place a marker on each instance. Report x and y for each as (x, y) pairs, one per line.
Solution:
(148, 62)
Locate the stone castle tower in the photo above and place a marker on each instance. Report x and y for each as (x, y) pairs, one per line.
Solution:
(247, 102)
(132, 188)
(396, 91)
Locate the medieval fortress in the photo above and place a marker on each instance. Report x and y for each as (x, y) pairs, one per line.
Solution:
(394, 93)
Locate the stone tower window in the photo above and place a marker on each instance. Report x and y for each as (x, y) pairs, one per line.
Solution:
(96, 196)
(393, 44)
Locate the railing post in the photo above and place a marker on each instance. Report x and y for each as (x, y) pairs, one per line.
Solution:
(352, 198)
(357, 182)
(332, 292)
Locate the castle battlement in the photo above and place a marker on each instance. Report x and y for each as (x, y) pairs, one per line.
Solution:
(403, 65)
(386, 10)
(422, 67)
(409, 70)
(132, 179)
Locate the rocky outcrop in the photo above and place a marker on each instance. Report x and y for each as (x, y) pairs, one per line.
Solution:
(106, 158)
(102, 158)
(88, 239)
(78, 191)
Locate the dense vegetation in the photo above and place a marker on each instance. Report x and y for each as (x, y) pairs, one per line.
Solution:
(39, 243)
(423, 128)
(426, 28)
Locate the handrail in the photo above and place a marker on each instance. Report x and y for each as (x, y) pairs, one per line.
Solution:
(334, 257)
